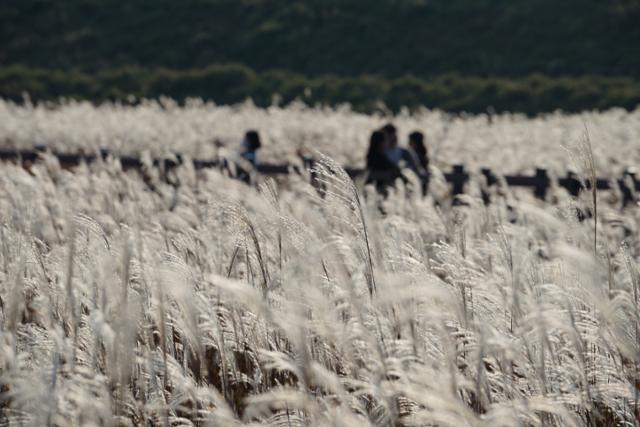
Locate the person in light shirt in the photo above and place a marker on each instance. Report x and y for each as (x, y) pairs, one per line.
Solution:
(393, 151)
(400, 156)
(249, 147)
(249, 154)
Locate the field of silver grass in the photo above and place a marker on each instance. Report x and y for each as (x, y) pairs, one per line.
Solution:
(214, 303)
(507, 143)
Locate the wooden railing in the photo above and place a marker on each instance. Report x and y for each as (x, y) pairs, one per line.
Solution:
(540, 182)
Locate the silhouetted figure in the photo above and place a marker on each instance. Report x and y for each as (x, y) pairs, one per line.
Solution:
(250, 146)
(416, 144)
(420, 158)
(400, 156)
(249, 153)
(382, 171)
(393, 152)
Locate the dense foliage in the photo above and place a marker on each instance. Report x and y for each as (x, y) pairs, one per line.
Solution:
(456, 55)
(227, 84)
(317, 37)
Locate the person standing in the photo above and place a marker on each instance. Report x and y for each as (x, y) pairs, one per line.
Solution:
(249, 147)
(382, 171)
(248, 155)
(420, 156)
(393, 151)
(418, 149)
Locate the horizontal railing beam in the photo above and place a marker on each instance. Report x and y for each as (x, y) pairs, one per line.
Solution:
(458, 177)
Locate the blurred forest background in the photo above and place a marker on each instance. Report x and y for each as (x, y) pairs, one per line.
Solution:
(528, 56)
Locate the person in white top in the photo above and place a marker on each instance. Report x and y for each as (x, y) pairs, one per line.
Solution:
(249, 147)
(400, 156)
(249, 154)
(393, 152)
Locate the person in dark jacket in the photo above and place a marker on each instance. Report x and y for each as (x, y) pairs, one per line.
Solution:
(416, 144)
(418, 151)
(381, 169)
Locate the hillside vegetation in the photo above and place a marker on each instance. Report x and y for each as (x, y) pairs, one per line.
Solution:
(529, 56)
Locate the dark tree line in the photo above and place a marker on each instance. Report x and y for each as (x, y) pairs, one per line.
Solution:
(524, 55)
(226, 84)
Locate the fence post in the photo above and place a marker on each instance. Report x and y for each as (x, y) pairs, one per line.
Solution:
(458, 179)
(490, 179)
(541, 183)
(628, 193)
(573, 184)
(104, 153)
